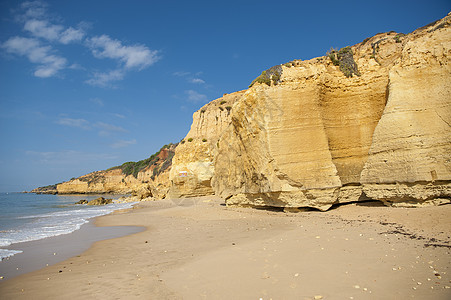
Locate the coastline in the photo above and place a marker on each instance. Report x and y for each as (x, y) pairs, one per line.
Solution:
(198, 248)
(38, 254)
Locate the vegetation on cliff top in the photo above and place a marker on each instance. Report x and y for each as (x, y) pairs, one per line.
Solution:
(133, 168)
(271, 75)
(345, 60)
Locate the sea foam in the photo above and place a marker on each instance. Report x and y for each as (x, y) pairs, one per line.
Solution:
(46, 225)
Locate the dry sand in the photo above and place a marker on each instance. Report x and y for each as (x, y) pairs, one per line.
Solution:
(200, 249)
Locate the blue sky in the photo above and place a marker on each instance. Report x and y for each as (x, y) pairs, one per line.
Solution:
(87, 85)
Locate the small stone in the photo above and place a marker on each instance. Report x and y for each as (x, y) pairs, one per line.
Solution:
(429, 279)
(296, 275)
(394, 269)
(317, 237)
(447, 287)
(414, 288)
(365, 289)
(318, 297)
(419, 283)
(54, 253)
(1, 277)
(60, 271)
(357, 286)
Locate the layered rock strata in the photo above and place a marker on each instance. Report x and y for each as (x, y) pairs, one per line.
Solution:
(193, 166)
(146, 178)
(314, 137)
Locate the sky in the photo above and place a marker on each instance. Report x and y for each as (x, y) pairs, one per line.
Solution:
(87, 85)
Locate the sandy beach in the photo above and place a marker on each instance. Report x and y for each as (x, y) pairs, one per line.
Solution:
(201, 249)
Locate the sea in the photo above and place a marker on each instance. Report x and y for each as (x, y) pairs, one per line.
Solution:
(28, 217)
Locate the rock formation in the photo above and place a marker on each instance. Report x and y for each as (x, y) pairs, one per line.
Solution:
(193, 165)
(371, 121)
(314, 133)
(145, 178)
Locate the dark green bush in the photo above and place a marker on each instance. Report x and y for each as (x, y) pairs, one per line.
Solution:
(204, 140)
(223, 102)
(345, 60)
(272, 75)
(190, 140)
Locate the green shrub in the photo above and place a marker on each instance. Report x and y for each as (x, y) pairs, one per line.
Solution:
(398, 37)
(190, 140)
(204, 140)
(221, 108)
(223, 102)
(345, 60)
(202, 110)
(182, 141)
(271, 75)
(133, 168)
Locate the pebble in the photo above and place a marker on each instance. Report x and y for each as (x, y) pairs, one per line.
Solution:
(317, 237)
(296, 275)
(357, 286)
(1, 277)
(365, 289)
(54, 253)
(419, 283)
(318, 297)
(447, 287)
(414, 288)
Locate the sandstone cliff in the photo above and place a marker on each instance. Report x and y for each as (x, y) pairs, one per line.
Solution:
(145, 178)
(371, 120)
(193, 165)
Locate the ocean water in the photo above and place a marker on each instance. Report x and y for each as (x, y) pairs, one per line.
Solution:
(29, 217)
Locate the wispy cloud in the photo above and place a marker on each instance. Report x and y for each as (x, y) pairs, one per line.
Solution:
(109, 127)
(44, 33)
(97, 101)
(78, 123)
(68, 157)
(190, 77)
(197, 80)
(135, 56)
(194, 96)
(123, 143)
(105, 79)
(48, 63)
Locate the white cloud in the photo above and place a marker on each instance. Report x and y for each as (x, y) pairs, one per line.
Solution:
(136, 56)
(49, 64)
(43, 29)
(71, 35)
(109, 127)
(123, 143)
(190, 77)
(97, 101)
(194, 96)
(105, 79)
(181, 74)
(78, 123)
(197, 80)
(68, 157)
(34, 9)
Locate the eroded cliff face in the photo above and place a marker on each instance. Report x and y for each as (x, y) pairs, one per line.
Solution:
(147, 178)
(410, 157)
(318, 137)
(193, 165)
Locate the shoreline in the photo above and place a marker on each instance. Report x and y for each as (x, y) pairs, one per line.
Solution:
(48, 251)
(198, 248)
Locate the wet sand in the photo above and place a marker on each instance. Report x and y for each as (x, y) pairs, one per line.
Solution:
(200, 249)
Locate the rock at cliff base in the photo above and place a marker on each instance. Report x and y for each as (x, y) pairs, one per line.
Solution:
(83, 201)
(100, 201)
